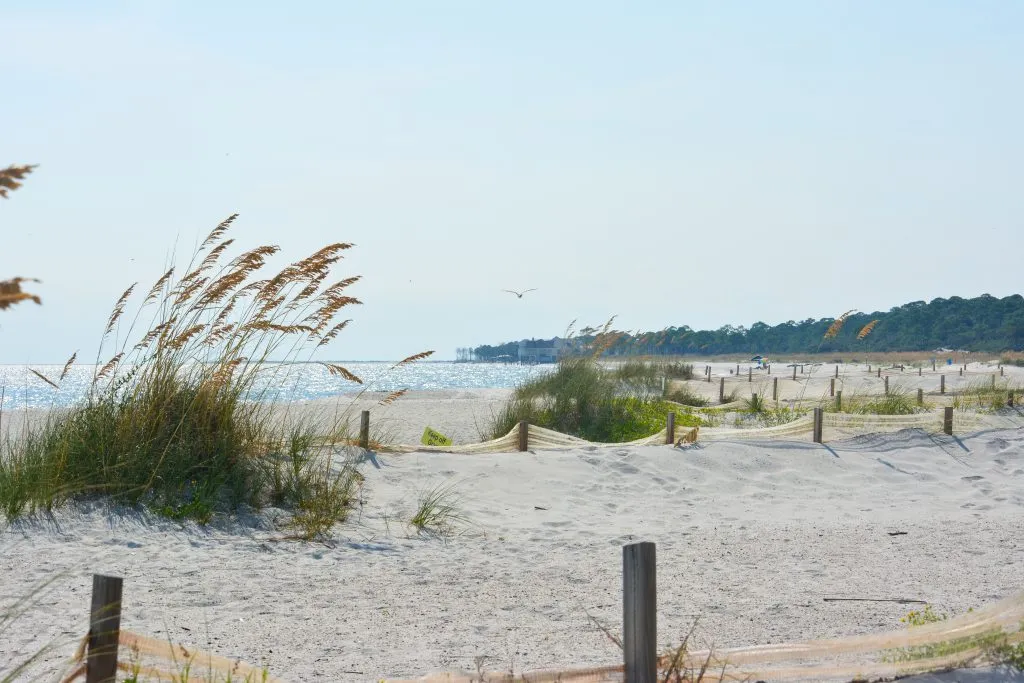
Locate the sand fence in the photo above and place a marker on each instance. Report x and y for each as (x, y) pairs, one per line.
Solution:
(978, 637)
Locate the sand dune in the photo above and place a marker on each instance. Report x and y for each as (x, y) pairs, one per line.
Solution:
(751, 538)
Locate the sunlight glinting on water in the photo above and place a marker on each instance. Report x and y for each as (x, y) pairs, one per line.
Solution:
(297, 382)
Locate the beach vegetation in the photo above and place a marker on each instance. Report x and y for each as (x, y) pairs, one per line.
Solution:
(438, 511)
(584, 399)
(179, 417)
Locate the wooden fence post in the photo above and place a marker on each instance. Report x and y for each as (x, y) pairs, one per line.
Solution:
(750, 375)
(818, 419)
(670, 428)
(933, 365)
(919, 372)
(837, 372)
(1009, 399)
(721, 390)
(769, 366)
(947, 421)
(364, 429)
(879, 372)
(1001, 372)
(832, 387)
(737, 368)
(961, 372)
(839, 400)
(920, 397)
(887, 385)
(775, 388)
(794, 373)
(640, 613)
(524, 436)
(104, 629)
(942, 384)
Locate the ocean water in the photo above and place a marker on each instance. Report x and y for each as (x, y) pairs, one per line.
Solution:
(291, 382)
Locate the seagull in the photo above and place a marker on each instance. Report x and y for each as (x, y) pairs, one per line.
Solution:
(519, 294)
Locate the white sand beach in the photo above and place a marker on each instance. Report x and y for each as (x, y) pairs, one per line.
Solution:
(752, 537)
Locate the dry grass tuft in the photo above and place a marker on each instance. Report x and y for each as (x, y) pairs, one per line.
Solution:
(393, 396)
(67, 366)
(866, 330)
(11, 177)
(413, 358)
(44, 378)
(837, 325)
(11, 292)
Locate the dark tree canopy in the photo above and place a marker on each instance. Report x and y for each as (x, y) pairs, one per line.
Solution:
(984, 323)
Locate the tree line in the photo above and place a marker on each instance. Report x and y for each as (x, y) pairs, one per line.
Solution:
(984, 323)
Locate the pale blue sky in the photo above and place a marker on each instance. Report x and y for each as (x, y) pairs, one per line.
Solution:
(670, 162)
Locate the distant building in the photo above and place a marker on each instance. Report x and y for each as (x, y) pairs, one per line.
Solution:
(540, 350)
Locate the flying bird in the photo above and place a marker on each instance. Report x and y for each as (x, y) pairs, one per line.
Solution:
(519, 294)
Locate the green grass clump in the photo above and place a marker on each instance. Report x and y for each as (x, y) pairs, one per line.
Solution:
(438, 511)
(178, 420)
(899, 401)
(687, 397)
(583, 399)
(678, 370)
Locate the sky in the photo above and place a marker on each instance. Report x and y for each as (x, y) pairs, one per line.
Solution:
(671, 163)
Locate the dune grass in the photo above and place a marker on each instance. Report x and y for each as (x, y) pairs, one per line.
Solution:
(899, 401)
(985, 395)
(438, 511)
(177, 418)
(584, 399)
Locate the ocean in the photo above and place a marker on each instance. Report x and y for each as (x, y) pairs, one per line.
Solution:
(284, 382)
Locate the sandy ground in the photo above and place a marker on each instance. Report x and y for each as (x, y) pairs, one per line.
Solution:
(751, 538)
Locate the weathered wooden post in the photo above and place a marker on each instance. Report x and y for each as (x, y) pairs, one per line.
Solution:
(942, 384)
(879, 372)
(524, 436)
(104, 629)
(961, 372)
(947, 421)
(933, 365)
(721, 390)
(837, 372)
(775, 388)
(887, 385)
(839, 401)
(869, 369)
(794, 373)
(832, 387)
(769, 366)
(1001, 372)
(737, 369)
(640, 613)
(750, 374)
(1009, 399)
(364, 429)
(670, 428)
(919, 372)
(818, 419)
(920, 397)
